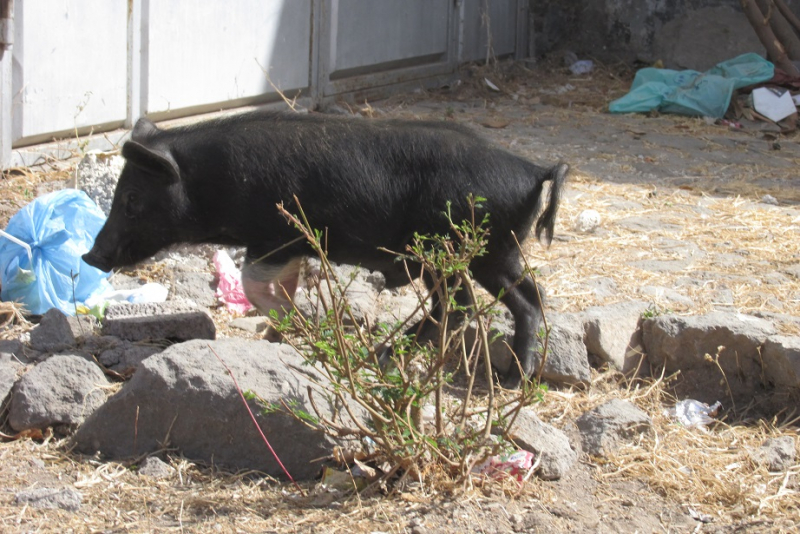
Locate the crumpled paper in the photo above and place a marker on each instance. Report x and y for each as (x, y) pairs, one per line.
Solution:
(694, 414)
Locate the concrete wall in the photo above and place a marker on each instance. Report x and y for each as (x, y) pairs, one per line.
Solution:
(683, 33)
(81, 66)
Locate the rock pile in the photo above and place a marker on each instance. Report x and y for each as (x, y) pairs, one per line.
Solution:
(180, 395)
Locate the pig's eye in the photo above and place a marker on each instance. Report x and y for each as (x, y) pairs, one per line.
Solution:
(132, 205)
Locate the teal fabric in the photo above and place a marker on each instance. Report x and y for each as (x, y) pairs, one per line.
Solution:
(688, 92)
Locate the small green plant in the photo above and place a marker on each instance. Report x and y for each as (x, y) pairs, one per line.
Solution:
(417, 422)
(654, 310)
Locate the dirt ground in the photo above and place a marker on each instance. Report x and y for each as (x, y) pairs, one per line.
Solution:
(673, 190)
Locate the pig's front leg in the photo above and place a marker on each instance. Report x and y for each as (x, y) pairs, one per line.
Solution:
(270, 286)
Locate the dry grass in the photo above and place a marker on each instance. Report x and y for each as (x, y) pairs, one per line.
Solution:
(712, 471)
(731, 243)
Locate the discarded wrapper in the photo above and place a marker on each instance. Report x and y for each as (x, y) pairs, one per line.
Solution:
(516, 465)
(336, 479)
(151, 292)
(491, 85)
(693, 414)
(230, 289)
(583, 66)
(774, 103)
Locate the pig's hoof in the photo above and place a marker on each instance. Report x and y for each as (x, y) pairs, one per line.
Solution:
(513, 379)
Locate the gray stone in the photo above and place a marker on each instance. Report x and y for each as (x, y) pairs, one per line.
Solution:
(793, 270)
(344, 272)
(96, 345)
(781, 357)
(613, 203)
(184, 398)
(681, 344)
(188, 257)
(397, 306)
(173, 320)
(53, 333)
(82, 325)
(549, 444)
(647, 224)
(120, 281)
(194, 285)
(613, 333)
(124, 309)
(9, 370)
(97, 174)
(723, 298)
(154, 467)
(661, 266)
(360, 294)
(789, 321)
(13, 349)
(776, 279)
(603, 287)
(677, 248)
(665, 294)
(128, 355)
(62, 390)
(567, 361)
(376, 280)
(777, 454)
(255, 324)
(50, 498)
(727, 260)
(604, 428)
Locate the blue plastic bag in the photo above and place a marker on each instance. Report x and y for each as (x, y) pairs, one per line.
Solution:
(59, 227)
(689, 92)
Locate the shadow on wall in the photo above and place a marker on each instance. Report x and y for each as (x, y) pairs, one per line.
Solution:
(684, 34)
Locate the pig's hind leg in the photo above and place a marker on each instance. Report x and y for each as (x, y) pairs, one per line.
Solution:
(503, 272)
(270, 286)
(426, 330)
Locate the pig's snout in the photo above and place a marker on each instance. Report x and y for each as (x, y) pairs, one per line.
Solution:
(94, 260)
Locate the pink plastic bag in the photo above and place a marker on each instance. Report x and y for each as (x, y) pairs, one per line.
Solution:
(514, 466)
(230, 290)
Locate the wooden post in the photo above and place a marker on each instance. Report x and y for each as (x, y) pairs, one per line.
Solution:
(787, 13)
(783, 30)
(775, 50)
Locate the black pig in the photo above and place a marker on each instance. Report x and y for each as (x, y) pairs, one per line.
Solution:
(371, 184)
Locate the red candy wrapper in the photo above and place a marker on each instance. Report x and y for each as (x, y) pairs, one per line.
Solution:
(515, 465)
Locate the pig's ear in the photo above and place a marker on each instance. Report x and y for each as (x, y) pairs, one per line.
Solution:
(156, 160)
(143, 129)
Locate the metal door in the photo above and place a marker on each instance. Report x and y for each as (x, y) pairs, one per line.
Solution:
(364, 43)
(200, 56)
(69, 68)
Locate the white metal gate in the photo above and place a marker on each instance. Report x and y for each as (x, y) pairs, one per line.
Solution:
(71, 67)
